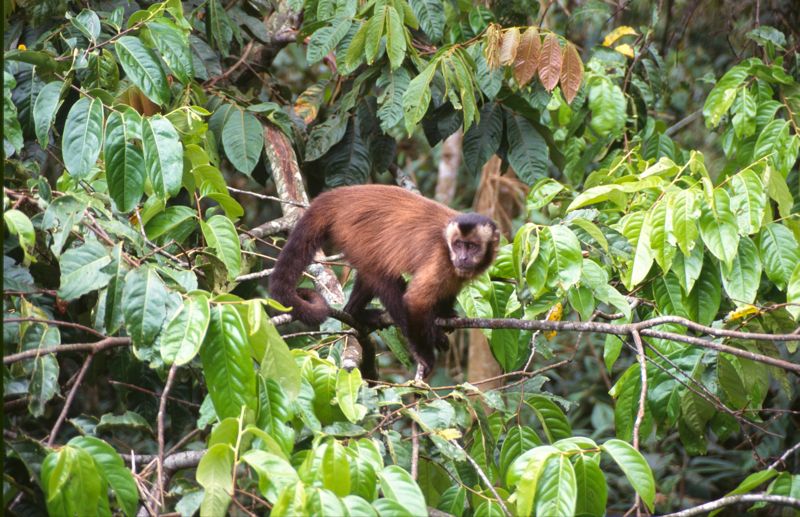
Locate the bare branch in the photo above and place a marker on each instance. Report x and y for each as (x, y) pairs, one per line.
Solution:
(483, 477)
(93, 348)
(70, 397)
(162, 409)
(736, 499)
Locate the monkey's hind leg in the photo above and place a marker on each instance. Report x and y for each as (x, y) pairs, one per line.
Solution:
(361, 295)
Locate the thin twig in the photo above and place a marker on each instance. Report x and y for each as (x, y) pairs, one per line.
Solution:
(637, 424)
(736, 499)
(95, 347)
(58, 323)
(268, 198)
(483, 477)
(230, 70)
(70, 397)
(775, 464)
(162, 409)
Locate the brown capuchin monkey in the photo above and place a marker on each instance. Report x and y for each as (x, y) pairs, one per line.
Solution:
(386, 232)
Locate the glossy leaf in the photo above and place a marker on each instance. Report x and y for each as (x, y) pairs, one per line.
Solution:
(348, 385)
(324, 40)
(215, 475)
(780, 253)
(741, 281)
(635, 468)
(528, 152)
(163, 155)
(395, 38)
(718, 228)
(748, 201)
(125, 168)
(398, 486)
(82, 270)
(44, 110)
(220, 234)
(557, 491)
(113, 470)
(142, 67)
(144, 305)
(185, 331)
(71, 482)
(83, 137)
(173, 45)
(227, 366)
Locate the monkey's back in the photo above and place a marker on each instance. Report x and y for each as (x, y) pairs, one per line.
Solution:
(384, 228)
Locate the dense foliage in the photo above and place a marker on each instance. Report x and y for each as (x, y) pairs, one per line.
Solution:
(142, 362)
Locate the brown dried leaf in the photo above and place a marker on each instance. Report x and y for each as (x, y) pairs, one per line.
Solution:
(527, 58)
(550, 62)
(508, 50)
(571, 73)
(492, 49)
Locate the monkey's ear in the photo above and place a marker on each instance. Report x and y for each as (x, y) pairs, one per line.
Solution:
(496, 237)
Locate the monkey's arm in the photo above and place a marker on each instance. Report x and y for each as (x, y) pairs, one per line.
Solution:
(422, 306)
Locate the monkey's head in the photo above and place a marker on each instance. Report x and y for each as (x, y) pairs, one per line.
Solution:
(472, 241)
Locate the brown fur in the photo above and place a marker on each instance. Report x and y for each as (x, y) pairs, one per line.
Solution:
(385, 232)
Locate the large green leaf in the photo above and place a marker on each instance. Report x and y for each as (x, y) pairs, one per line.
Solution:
(125, 170)
(528, 152)
(390, 101)
(20, 225)
(82, 270)
(526, 472)
(274, 472)
(607, 104)
(83, 137)
(243, 140)
(184, 333)
(557, 491)
(399, 486)
(591, 485)
(113, 470)
(72, 484)
(221, 235)
(430, 14)
(43, 384)
(324, 40)
(113, 317)
(44, 110)
(635, 468)
(748, 201)
(483, 140)
(566, 258)
(144, 305)
(518, 440)
(685, 213)
(173, 45)
(142, 67)
(395, 38)
(418, 96)
(718, 228)
(163, 155)
(793, 293)
(723, 94)
(742, 279)
(228, 369)
(348, 385)
(375, 28)
(704, 300)
(661, 242)
(553, 421)
(215, 475)
(335, 469)
(779, 253)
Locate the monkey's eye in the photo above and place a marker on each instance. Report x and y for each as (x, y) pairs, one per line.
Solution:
(471, 246)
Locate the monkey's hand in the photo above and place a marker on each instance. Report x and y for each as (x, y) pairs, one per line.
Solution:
(441, 341)
(372, 318)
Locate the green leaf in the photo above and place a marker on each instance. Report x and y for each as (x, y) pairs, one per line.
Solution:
(142, 67)
(88, 23)
(661, 230)
(482, 140)
(640, 240)
(749, 483)
(635, 468)
(607, 104)
(274, 472)
(399, 486)
(82, 270)
(19, 225)
(793, 293)
(390, 101)
(83, 137)
(778, 190)
(395, 38)
(348, 384)
(43, 384)
(780, 253)
(687, 269)
(542, 192)
(144, 305)
(721, 97)
(227, 366)
(518, 440)
(557, 492)
(355, 51)
(554, 422)
(113, 317)
(184, 333)
(72, 484)
(278, 362)
(418, 96)
(335, 469)
(704, 300)
(718, 228)
(582, 300)
(44, 110)
(375, 27)
(125, 169)
(668, 296)
(525, 474)
(748, 201)
(243, 140)
(324, 40)
(128, 421)
(173, 45)
(528, 152)
(431, 16)
(742, 280)
(113, 470)
(163, 155)
(685, 213)
(215, 475)
(221, 235)
(566, 258)
(591, 487)
(324, 136)
(174, 223)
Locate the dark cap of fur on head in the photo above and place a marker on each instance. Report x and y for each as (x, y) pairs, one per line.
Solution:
(467, 222)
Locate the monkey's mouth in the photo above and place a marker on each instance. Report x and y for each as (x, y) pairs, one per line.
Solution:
(465, 271)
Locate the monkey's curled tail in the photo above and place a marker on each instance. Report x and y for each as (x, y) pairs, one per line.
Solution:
(307, 305)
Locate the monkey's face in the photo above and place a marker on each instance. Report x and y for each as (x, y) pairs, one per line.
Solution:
(472, 242)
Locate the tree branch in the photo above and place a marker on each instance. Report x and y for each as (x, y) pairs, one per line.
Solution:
(736, 499)
(67, 403)
(93, 348)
